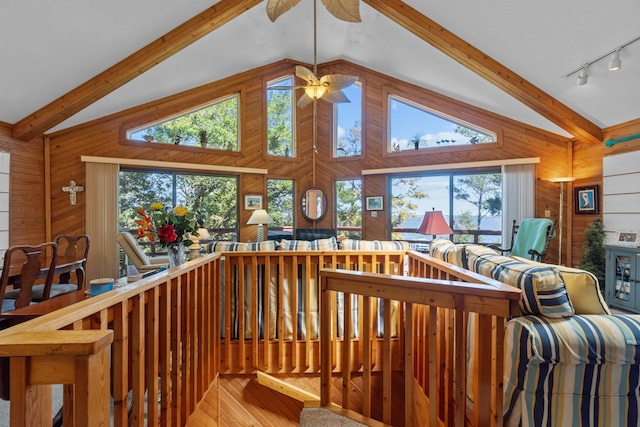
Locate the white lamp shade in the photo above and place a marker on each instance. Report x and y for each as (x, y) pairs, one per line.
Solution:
(260, 216)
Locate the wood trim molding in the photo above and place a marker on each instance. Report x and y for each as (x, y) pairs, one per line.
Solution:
(489, 69)
(172, 165)
(449, 166)
(129, 68)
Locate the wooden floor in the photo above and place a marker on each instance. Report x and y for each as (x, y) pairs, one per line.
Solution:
(244, 402)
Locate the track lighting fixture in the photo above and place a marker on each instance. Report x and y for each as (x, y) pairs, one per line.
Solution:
(583, 77)
(615, 63)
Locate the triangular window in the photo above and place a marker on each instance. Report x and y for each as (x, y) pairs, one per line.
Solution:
(215, 126)
(416, 127)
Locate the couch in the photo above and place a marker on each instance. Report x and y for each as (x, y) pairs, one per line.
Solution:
(568, 360)
(304, 279)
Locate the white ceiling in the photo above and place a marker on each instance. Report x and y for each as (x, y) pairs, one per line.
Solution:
(50, 47)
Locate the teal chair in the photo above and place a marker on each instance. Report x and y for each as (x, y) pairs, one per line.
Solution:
(530, 239)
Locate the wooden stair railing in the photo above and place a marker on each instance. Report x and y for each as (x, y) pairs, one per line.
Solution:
(39, 359)
(455, 316)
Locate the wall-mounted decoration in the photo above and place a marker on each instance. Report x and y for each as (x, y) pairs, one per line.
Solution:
(374, 203)
(72, 188)
(586, 200)
(252, 202)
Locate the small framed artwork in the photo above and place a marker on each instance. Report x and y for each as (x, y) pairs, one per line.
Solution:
(374, 203)
(586, 200)
(252, 202)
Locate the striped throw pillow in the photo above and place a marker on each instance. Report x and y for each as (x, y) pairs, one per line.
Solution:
(328, 244)
(295, 245)
(223, 246)
(374, 245)
(543, 291)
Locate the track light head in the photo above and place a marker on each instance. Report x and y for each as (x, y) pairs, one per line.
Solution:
(583, 77)
(615, 63)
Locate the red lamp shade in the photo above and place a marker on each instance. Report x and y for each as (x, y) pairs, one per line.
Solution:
(434, 223)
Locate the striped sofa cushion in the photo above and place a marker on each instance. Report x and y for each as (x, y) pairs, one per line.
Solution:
(583, 288)
(328, 244)
(578, 371)
(543, 290)
(295, 245)
(374, 245)
(224, 246)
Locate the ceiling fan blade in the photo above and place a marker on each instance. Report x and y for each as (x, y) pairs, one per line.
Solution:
(275, 8)
(335, 96)
(304, 101)
(346, 10)
(305, 73)
(338, 81)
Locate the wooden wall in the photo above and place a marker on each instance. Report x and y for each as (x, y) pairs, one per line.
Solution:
(28, 212)
(105, 137)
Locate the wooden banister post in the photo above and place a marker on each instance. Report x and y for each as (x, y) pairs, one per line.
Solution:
(39, 359)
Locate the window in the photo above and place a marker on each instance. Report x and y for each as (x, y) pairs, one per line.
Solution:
(280, 203)
(415, 127)
(347, 132)
(471, 203)
(349, 208)
(213, 198)
(280, 118)
(215, 126)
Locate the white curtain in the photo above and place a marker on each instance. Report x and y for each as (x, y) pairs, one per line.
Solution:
(518, 198)
(101, 211)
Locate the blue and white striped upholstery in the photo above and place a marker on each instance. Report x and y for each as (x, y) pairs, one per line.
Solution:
(374, 245)
(543, 290)
(578, 371)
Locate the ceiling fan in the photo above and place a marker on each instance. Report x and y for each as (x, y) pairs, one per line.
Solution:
(346, 10)
(329, 87)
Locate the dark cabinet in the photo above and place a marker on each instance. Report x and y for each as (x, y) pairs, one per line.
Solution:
(622, 278)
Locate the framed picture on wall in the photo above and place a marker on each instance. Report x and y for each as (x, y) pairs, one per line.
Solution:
(252, 202)
(374, 203)
(586, 200)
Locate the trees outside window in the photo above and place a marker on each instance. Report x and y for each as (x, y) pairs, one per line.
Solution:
(349, 208)
(213, 198)
(471, 203)
(215, 126)
(416, 127)
(347, 132)
(280, 119)
(280, 203)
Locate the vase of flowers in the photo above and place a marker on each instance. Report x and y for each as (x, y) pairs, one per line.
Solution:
(172, 228)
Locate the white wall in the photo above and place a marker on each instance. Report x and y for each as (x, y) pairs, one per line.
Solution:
(621, 195)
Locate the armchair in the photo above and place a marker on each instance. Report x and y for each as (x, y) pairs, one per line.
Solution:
(140, 260)
(530, 239)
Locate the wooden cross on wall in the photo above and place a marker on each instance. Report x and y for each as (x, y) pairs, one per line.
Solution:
(72, 189)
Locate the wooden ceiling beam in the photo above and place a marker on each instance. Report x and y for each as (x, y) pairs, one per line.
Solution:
(129, 68)
(490, 69)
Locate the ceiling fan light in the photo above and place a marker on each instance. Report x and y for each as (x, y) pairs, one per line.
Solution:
(615, 63)
(315, 91)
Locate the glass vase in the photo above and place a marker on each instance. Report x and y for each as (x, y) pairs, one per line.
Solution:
(176, 255)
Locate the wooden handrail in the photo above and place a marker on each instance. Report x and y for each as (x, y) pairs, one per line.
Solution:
(455, 315)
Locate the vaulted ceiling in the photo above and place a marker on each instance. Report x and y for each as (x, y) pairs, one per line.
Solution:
(66, 62)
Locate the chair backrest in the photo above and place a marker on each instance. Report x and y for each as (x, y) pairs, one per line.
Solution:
(74, 248)
(532, 237)
(315, 233)
(28, 262)
(130, 247)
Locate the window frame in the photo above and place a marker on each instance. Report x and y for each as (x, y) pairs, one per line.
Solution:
(334, 117)
(294, 131)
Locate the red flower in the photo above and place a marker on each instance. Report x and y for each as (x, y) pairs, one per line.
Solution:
(167, 234)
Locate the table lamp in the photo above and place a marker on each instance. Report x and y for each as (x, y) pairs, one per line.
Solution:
(434, 223)
(260, 217)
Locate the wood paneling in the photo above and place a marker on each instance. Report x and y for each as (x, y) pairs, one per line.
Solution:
(105, 137)
(27, 215)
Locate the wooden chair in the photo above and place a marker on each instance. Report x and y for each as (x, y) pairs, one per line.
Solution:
(530, 239)
(74, 248)
(35, 259)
